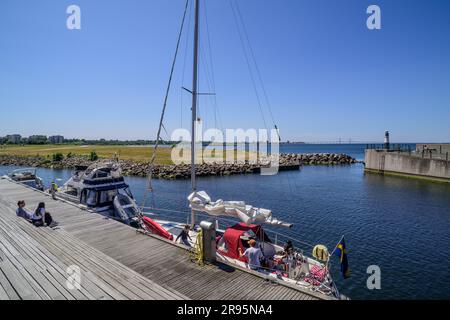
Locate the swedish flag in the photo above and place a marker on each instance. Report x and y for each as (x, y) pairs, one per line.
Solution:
(341, 252)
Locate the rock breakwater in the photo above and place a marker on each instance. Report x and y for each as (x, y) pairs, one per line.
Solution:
(288, 161)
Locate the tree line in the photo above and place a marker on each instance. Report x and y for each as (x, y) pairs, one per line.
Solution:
(26, 141)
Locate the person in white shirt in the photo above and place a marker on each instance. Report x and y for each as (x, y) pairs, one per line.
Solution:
(42, 217)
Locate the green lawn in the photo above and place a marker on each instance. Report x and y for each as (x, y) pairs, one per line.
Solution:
(136, 153)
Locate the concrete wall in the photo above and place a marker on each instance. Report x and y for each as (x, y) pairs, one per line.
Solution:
(394, 162)
(439, 147)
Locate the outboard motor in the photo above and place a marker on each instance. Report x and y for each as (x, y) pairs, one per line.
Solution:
(127, 209)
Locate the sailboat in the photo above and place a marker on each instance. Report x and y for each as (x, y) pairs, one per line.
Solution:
(286, 264)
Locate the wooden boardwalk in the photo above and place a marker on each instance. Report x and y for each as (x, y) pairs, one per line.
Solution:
(116, 262)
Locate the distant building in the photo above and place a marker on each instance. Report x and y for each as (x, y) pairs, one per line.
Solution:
(37, 139)
(13, 138)
(56, 139)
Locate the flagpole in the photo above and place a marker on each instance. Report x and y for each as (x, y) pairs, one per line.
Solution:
(332, 252)
(335, 247)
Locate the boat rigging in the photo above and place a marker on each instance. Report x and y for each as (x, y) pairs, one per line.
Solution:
(289, 266)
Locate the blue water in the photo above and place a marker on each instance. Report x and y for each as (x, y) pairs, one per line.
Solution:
(354, 150)
(401, 225)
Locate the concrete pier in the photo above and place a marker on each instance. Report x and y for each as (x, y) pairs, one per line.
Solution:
(408, 164)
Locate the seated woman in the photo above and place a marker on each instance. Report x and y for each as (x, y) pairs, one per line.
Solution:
(42, 217)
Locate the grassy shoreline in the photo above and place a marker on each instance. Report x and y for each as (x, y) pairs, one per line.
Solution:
(136, 153)
(135, 160)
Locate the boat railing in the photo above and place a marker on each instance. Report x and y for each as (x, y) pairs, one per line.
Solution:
(183, 217)
(276, 237)
(176, 215)
(315, 284)
(67, 196)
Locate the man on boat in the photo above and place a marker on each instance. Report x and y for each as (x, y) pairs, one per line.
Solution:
(254, 255)
(288, 248)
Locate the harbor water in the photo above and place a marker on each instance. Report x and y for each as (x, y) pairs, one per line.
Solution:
(401, 225)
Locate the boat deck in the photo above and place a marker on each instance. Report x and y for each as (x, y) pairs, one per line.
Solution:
(116, 261)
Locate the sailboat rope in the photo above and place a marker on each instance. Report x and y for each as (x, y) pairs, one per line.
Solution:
(258, 72)
(161, 125)
(250, 57)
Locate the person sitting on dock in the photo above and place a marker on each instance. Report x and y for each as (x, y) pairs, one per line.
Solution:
(254, 255)
(42, 217)
(22, 212)
(184, 235)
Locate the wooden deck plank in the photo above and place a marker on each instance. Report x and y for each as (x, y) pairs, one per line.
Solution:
(6, 285)
(93, 291)
(3, 294)
(34, 280)
(19, 283)
(48, 238)
(117, 256)
(107, 269)
(52, 271)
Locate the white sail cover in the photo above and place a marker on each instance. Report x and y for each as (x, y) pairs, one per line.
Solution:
(200, 201)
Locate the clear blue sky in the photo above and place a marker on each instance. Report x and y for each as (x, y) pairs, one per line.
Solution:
(327, 76)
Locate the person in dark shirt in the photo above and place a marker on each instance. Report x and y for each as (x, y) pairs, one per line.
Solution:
(184, 235)
(288, 248)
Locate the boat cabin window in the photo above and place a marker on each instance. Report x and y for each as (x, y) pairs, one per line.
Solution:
(101, 174)
(92, 197)
(126, 191)
(107, 196)
(89, 197)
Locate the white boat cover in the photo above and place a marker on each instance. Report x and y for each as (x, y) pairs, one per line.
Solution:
(200, 201)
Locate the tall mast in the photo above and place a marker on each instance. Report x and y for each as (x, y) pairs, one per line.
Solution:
(194, 103)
